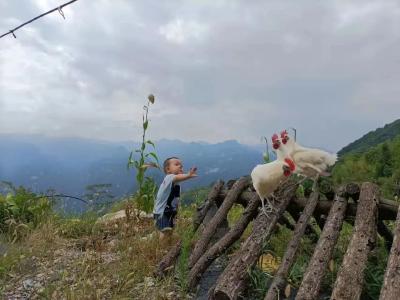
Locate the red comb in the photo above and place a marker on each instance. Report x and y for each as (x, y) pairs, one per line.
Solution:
(291, 164)
(284, 133)
(275, 137)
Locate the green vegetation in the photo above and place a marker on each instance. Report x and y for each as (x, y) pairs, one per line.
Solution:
(21, 211)
(147, 188)
(373, 138)
(380, 164)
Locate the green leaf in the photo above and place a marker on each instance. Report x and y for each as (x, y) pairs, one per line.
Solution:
(153, 155)
(129, 160)
(145, 124)
(151, 143)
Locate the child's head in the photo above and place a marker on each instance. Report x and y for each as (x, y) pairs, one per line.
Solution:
(173, 165)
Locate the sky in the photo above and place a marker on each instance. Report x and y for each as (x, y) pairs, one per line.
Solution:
(219, 70)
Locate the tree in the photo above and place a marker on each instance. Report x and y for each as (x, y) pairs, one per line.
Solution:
(384, 166)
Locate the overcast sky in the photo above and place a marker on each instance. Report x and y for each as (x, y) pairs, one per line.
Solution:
(219, 69)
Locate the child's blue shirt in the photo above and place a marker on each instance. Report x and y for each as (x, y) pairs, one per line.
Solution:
(162, 195)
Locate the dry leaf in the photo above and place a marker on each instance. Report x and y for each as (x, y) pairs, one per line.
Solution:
(288, 291)
(331, 265)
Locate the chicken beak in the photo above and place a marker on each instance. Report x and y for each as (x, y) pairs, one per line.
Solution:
(286, 168)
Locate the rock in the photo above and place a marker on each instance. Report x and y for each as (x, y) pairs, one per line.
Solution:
(119, 215)
(171, 296)
(148, 237)
(149, 281)
(28, 284)
(55, 276)
(113, 244)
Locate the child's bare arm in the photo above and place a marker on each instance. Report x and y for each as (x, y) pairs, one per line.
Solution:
(182, 177)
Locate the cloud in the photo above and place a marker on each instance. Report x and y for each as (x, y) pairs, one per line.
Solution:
(179, 31)
(219, 69)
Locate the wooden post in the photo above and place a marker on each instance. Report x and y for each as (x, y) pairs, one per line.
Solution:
(288, 259)
(201, 213)
(310, 286)
(221, 214)
(350, 277)
(168, 260)
(224, 243)
(232, 281)
(391, 282)
(387, 208)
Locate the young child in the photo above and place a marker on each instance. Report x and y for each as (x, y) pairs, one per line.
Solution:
(166, 205)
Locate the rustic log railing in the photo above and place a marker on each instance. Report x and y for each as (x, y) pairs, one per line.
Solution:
(357, 204)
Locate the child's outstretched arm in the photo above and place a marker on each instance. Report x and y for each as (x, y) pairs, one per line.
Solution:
(182, 177)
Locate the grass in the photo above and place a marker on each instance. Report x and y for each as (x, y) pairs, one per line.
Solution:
(88, 261)
(81, 259)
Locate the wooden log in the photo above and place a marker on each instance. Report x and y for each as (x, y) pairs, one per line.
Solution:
(350, 277)
(288, 259)
(391, 281)
(202, 210)
(202, 243)
(310, 286)
(296, 214)
(386, 233)
(168, 260)
(233, 280)
(387, 208)
(224, 243)
(222, 228)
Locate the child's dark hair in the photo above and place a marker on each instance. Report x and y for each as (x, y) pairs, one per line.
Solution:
(166, 163)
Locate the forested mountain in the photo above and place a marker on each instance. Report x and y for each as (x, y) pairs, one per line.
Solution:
(373, 138)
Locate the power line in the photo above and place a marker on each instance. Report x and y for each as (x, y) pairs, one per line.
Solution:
(59, 9)
(62, 196)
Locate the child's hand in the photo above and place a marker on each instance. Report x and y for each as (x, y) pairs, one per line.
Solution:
(192, 172)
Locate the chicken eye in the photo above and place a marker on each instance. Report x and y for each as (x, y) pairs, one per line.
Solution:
(276, 145)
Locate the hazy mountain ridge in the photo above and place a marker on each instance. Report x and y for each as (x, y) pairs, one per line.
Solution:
(70, 164)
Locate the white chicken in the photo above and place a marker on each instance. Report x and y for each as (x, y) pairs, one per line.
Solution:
(310, 162)
(267, 177)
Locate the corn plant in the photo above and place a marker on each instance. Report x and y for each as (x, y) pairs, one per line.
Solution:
(146, 191)
(266, 157)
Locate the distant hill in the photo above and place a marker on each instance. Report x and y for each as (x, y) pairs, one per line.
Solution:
(373, 138)
(68, 165)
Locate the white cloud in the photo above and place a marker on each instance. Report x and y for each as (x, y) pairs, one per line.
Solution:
(179, 31)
